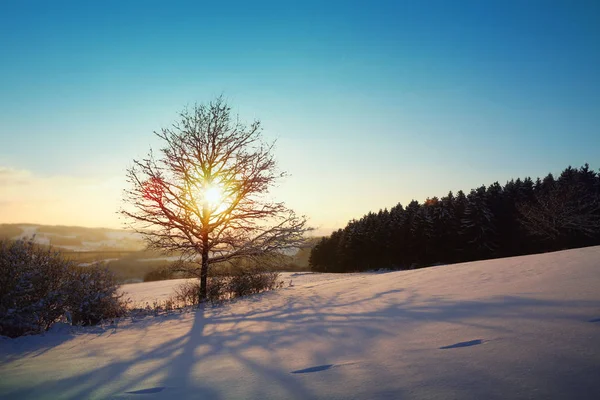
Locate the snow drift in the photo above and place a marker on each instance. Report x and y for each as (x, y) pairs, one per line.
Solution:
(523, 327)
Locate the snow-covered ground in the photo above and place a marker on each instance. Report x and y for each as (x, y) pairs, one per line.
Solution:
(523, 327)
(147, 292)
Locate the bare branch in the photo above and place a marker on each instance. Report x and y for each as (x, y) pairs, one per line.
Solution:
(561, 211)
(208, 149)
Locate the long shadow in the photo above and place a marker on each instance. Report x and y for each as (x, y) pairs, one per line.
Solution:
(38, 345)
(463, 344)
(147, 391)
(318, 368)
(178, 365)
(90, 384)
(181, 366)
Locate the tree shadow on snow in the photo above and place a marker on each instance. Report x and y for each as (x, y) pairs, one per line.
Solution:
(250, 334)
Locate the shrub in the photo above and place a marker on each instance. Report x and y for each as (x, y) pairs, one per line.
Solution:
(252, 280)
(38, 287)
(188, 293)
(93, 296)
(241, 282)
(33, 288)
(216, 289)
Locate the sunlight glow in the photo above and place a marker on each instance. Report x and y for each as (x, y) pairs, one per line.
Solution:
(214, 196)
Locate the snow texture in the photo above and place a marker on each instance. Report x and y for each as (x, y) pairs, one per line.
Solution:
(519, 328)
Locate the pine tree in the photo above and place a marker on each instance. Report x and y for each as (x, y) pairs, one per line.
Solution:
(522, 217)
(478, 226)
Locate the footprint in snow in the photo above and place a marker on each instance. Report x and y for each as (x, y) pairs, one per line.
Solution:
(464, 344)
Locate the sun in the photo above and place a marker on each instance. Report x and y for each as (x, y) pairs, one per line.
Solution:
(216, 197)
(210, 198)
(213, 196)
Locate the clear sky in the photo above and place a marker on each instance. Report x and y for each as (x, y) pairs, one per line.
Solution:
(372, 103)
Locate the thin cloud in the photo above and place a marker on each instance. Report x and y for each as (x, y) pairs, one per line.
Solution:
(65, 200)
(12, 176)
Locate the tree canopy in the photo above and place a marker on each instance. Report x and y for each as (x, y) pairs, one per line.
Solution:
(206, 193)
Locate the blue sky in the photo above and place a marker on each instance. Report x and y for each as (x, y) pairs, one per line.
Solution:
(372, 103)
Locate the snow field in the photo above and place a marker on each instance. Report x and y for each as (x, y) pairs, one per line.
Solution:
(522, 327)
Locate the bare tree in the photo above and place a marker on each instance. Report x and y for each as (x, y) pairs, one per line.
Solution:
(561, 211)
(206, 195)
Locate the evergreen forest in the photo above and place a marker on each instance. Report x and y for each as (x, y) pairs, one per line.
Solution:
(522, 217)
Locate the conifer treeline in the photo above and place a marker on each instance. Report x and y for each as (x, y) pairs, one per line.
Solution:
(521, 217)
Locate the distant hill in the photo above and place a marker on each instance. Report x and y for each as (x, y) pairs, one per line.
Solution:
(75, 238)
(123, 252)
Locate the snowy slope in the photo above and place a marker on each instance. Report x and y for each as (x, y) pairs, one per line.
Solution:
(523, 327)
(146, 292)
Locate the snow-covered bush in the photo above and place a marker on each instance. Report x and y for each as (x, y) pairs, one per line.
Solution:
(33, 287)
(240, 282)
(216, 289)
(93, 296)
(39, 287)
(252, 280)
(187, 293)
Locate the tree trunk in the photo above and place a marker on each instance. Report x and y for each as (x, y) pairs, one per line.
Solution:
(204, 268)
(203, 277)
